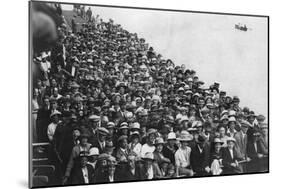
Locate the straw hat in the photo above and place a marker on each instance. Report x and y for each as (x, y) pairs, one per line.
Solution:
(185, 136)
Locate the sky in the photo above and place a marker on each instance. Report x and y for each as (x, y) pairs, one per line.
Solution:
(208, 44)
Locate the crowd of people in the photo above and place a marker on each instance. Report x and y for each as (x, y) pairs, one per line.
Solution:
(113, 109)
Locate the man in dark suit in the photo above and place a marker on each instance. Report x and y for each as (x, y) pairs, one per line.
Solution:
(230, 158)
(122, 151)
(99, 140)
(199, 156)
(254, 151)
(108, 172)
(83, 174)
(128, 171)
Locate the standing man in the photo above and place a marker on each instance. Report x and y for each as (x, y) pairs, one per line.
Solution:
(241, 138)
(83, 146)
(89, 14)
(255, 153)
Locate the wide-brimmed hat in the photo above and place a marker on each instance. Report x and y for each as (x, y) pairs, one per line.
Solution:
(103, 131)
(74, 85)
(135, 125)
(109, 144)
(245, 124)
(103, 156)
(224, 112)
(151, 131)
(122, 137)
(110, 125)
(183, 118)
(95, 118)
(192, 129)
(218, 140)
(264, 126)
(185, 136)
(232, 113)
(94, 151)
(124, 125)
(159, 140)
(135, 133)
(251, 114)
(232, 119)
(224, 117)
(260, 118)
(172, 136)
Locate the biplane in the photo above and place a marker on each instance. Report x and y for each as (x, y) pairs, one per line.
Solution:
(241, 27)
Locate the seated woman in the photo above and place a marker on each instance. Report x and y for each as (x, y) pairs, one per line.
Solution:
(182, 156)
(215, 163)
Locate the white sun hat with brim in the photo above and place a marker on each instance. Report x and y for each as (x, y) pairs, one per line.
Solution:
(185, 136)
(172, 136)
(94, 151)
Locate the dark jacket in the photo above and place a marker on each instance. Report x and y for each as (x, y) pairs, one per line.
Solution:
(156, 172)
(95, 143)
(252, 151)
(227, 160)
(103, 177)
(169, 153)
(199, 160)
(77, 177)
